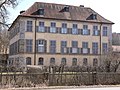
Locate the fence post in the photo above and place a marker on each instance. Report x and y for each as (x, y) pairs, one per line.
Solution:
(94, 77)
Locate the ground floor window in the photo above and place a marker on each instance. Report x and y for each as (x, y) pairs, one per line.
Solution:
(74, 61)
(95, 62)
(52, 60)
(63, 61)
(40, 61)
(28, 61)
(10, 62)
(85, 62)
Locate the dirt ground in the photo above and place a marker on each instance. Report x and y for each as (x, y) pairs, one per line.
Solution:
(95, 87)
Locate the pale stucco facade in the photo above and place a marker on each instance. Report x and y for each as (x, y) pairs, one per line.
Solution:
(60, 37)
(21, 24)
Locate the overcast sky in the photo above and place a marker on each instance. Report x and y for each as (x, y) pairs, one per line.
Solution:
(107, 8)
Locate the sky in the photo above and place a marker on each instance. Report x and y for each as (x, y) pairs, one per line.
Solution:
(109, 9)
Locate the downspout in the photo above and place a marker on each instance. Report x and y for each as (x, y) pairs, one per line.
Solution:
(35, 43)
(100, 41)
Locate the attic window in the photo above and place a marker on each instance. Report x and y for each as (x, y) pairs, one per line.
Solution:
(65, 9)
(92, 17)
(41, 11)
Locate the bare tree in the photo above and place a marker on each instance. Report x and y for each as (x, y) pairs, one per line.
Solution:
(4, 41)
(4, 4)
(116, 39)
(111, 61)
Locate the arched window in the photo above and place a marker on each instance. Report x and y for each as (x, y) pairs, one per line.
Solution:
(40, 61)
(28, 61)
(74, 61)
(85, 61)
(52, 60)
(95, 62)
(63, 61)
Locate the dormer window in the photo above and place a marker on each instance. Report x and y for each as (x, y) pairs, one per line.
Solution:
(65, 9)
(41, 11)
(92, 17)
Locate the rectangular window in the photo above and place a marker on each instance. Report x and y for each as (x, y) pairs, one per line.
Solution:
(95, 30)
(84, 44)
(21, 45)
(40, 45)
(63, 46)
(74, 29)
(74, 47)
(63, 43)
(104, 47)
(85, 48)
(53, 27)
(74, 43)
(29, 26)
(64, 28)
(104, 31)
(41, 27)
(85, 30)
(52, 46)
(95, 48)
(29, 44)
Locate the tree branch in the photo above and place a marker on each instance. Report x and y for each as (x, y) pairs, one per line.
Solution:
(3, 3)
(7, 25)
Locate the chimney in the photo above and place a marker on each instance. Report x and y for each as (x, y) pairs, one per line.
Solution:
(22, 11)
(81, 6)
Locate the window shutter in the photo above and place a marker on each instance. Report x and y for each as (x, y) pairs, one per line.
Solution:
(70, 30)
(46, 29)
(79, 50)
(98, 32)
(88, 50)
(45, 46)
(81, 31)
(59, 30)
(88, 31)
(82, 50)
(68, 50)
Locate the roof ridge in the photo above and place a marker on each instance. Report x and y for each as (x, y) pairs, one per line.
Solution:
(57, 4)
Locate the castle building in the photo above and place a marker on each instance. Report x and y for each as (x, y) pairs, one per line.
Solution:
(54, 34)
